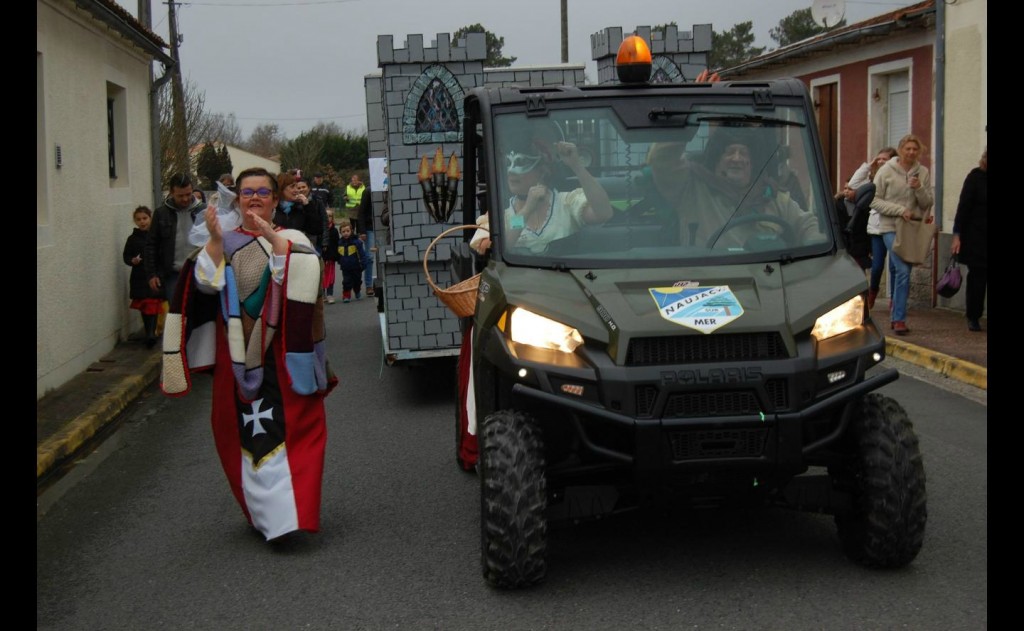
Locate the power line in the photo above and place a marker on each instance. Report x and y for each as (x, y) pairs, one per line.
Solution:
(304, 118)
(268, 4)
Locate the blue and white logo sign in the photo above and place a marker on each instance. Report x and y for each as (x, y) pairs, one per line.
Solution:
(702, 308)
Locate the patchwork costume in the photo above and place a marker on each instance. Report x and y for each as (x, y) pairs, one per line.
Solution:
(256, 321)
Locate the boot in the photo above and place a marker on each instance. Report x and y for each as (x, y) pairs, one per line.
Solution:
(149, 324)
(872, 294)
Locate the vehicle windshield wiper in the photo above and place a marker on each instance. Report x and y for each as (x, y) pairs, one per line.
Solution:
(661, 112)
(749, 118)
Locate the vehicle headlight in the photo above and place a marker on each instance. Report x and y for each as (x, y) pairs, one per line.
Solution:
(529, 328)
(843, 318)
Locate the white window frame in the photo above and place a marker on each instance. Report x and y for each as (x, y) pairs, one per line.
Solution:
(878, 115)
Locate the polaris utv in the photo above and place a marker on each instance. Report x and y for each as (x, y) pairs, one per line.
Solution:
(710, 340)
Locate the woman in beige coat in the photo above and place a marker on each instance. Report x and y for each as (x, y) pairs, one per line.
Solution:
(903, 191)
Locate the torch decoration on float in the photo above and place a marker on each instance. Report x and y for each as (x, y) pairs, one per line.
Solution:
(440, 187)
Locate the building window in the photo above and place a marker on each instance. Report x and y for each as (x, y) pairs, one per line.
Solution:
(889, 102)
(899, 107)
(433, 108)
(117, 135)
(111, 153)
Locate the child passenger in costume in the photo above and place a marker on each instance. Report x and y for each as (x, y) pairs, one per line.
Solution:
(143, 298)
(249, 308)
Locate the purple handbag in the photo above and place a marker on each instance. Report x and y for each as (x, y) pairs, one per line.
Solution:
(949, 284)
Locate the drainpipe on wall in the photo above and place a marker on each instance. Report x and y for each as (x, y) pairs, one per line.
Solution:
(940, 100)
(940, 127)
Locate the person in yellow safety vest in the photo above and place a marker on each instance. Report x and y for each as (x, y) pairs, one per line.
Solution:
(353, 197)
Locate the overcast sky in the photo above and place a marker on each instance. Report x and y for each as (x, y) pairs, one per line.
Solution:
(297, 62)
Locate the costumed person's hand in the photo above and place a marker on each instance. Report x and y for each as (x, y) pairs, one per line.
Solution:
(535, 198)
(154, 284)
(213, 224)
(136, 259)
(266, 230)
(954, 248)
(569, 154)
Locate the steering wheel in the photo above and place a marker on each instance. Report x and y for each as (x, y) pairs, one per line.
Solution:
(788, 236)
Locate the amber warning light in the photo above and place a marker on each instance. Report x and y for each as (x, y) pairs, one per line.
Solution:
(633, 63)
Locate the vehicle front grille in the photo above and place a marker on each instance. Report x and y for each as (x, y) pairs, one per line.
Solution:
(736, 443)
(778, 394)
(691, 404)
(682, 349)
(646, 396)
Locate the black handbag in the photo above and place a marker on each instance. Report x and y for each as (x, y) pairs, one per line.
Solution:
(949, 284)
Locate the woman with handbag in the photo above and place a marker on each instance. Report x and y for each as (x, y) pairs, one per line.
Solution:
(970, 239)
(903, 193)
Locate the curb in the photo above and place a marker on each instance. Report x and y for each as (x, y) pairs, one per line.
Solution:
(946, 365)
(96, 417)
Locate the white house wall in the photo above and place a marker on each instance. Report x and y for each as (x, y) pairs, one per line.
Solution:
(84, 217)
(966, 103)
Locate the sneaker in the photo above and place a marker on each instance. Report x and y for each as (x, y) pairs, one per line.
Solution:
(345, 300)
(900, 327)
(358, 296)
(973, 325)
(330, 300)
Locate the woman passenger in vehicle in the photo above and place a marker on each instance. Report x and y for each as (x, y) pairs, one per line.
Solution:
(537, 212)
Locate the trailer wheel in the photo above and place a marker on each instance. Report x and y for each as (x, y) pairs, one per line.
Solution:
(885, 477)
(513, 499)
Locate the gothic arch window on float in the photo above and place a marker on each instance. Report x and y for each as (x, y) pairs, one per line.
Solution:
(664, 71)
(433, 108)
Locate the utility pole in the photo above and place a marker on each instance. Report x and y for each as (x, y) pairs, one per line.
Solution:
(565, 31)
(179, 142)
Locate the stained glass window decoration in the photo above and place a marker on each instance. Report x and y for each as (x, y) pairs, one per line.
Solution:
(433, 108)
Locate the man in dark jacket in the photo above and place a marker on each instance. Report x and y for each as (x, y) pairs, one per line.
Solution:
(167, 243)
(322, 191)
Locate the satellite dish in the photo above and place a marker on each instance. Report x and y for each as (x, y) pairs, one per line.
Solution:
(828, 13)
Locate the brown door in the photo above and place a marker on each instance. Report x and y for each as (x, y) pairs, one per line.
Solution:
(827, 107)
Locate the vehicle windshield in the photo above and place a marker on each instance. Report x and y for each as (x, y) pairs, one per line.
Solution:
(715, 181)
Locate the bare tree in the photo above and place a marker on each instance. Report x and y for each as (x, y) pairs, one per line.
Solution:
(265, 140)
(224, 127)
(200, 125)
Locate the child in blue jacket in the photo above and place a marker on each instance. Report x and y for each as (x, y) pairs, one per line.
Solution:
(351, 259)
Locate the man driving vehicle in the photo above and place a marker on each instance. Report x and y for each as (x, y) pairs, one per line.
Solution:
(728, 199)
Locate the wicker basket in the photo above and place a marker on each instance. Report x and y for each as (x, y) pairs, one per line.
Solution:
(460, 297)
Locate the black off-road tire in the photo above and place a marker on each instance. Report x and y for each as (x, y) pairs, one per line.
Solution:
(885, 476)
(513, 499)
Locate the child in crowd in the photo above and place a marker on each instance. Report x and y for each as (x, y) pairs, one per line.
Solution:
(351, 260)
(330, 255)
(143, 298)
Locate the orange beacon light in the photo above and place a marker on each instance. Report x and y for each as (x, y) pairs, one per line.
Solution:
(633, 61)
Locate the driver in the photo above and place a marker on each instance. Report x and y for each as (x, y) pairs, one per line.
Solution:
(730, 184)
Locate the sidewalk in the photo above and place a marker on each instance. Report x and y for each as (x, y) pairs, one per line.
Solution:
(69, 417)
